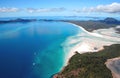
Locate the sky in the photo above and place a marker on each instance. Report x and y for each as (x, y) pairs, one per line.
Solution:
(96, 8)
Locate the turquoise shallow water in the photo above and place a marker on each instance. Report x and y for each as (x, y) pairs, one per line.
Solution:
(34, 49)
(50, 60)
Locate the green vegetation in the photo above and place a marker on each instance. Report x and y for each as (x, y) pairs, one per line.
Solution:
(90, 65)
(93, 25)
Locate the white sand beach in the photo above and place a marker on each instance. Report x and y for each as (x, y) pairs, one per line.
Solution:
(90, 41)
(114, 66)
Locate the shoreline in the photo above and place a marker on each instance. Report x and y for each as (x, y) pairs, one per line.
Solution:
(87, 46)
(71, 53)
(95, 34)
(91, 33)
(81, 61)
(112, 64)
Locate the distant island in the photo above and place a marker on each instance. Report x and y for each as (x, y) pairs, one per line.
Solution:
(89, 25)
(17, 20)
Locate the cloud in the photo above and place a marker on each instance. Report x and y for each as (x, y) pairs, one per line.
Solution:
(4, 9)
(111, 8)
(33, 10)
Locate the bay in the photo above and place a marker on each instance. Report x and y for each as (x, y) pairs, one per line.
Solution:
(33, 50)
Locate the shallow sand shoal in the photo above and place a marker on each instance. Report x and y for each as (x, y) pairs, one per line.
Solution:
(89, 41)
(114, 66)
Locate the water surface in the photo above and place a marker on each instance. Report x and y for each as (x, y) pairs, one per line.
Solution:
(33, 50)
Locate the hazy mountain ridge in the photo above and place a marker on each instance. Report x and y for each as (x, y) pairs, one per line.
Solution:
(91, 25)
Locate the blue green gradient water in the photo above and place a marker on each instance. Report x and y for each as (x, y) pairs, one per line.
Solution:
(33, 50)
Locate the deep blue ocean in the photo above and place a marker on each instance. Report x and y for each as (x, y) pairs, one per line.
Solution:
(33, 49)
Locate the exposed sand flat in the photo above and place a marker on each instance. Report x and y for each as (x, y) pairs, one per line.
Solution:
(118, 26)
(108, 33)
(93, 42)
(114, 66)
(90, 41)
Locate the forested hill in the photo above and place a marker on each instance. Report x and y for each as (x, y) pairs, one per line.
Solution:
(90, 65)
